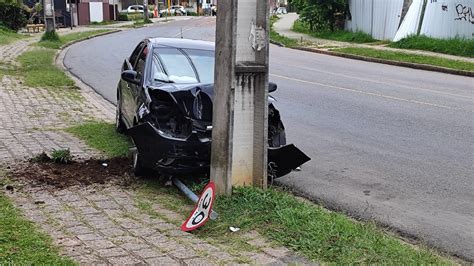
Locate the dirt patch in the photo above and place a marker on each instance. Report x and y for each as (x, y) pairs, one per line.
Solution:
(92, 171)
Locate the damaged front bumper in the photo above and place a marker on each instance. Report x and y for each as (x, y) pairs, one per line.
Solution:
(171, 155)
(193, 155)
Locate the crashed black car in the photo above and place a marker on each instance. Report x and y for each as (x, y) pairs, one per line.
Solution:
(164, 103)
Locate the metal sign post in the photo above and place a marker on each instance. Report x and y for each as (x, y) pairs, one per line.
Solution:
(239, 137)
(50, 23)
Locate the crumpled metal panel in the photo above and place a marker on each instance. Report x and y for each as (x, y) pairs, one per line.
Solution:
(377, 18)
(386, 18)
(448, 19)
(411, 21)
(361, 16)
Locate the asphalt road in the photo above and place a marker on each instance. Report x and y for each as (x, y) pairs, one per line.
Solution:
(387, 143)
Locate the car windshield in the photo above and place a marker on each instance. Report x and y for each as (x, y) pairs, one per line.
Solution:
(183, 65)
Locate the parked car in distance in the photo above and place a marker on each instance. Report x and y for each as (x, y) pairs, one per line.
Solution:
(134, 9)
(281, 10)
(165, 102)
(173, 10)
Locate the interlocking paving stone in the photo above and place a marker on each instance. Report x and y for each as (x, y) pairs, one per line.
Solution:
(148, 253)
(162, 261)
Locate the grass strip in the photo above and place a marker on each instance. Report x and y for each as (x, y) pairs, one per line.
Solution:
(276, 37)
(8, 36)
(320, 235)
(38, 70)
(103, 137)
(410, 58)
(64, 39)
(21, 243)
(340, 35)
(455, 46)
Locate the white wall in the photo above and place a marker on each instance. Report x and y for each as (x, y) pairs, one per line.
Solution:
(95, 12)
(449, 18)
(379, 18)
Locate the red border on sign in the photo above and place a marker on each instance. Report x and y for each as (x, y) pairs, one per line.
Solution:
(183, 226)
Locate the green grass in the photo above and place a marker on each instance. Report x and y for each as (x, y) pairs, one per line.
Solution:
(38, 70)
(342, 36)
(7, 36)
(69, 38)
(411, 58)
(456, 46)
(287, 42)
(103, 137)
(21, 243)
(320, 235)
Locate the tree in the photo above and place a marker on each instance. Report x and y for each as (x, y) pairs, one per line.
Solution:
(321, 15)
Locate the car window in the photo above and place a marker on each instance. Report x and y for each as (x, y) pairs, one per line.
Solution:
(140, 8)
(136, 52)
(176, 65)
(140, 66)
(203, 61)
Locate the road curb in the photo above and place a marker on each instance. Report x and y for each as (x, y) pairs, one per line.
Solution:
(383, 61)
(88, 92)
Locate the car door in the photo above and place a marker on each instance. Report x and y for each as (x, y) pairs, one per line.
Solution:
(137, 89)
(126, 96)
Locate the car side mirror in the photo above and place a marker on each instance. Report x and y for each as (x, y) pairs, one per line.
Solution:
(272, 87)
(130, 76)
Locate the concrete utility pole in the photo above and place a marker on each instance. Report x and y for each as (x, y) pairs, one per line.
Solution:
(239, 135)
(50, 23)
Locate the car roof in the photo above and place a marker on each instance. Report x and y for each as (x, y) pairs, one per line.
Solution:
(182, 43)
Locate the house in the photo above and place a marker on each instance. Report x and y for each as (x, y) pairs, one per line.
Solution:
(87, 11)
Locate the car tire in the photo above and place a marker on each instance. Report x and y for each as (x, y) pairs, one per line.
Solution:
(138, 169)
(119, 125)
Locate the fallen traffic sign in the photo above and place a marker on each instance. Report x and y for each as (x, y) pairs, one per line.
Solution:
(203, 208)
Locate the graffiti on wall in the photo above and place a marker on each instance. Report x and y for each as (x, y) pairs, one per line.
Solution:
(464, 13)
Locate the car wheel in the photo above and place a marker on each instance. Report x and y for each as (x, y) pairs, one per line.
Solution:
(138, 168)
(119, 125)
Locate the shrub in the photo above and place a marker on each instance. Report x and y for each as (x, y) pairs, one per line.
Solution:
(322, 15)
(123, 17)
(51, 36)
(61, 156)
(12, 16)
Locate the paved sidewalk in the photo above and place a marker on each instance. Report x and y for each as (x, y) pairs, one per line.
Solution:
(98, 224)
(284, 25)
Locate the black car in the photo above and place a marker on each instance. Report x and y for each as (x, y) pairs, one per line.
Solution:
(164, 102)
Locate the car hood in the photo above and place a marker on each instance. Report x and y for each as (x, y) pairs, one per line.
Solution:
(194, 100)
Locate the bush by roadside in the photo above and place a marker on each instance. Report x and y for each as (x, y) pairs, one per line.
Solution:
(12, 16)
(456, 46)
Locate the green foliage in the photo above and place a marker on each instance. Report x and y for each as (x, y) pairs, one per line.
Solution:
(455, 46)
(61, 156)
(411, 58)
(12, 15)
(39, 71)
(337, 35)
(51, 36)
(322, 15)
(7, 36)
(122, 17)
(323, 236)
(103, 137)
(21, 243)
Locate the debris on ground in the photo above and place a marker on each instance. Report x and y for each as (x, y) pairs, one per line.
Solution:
(84, 173)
